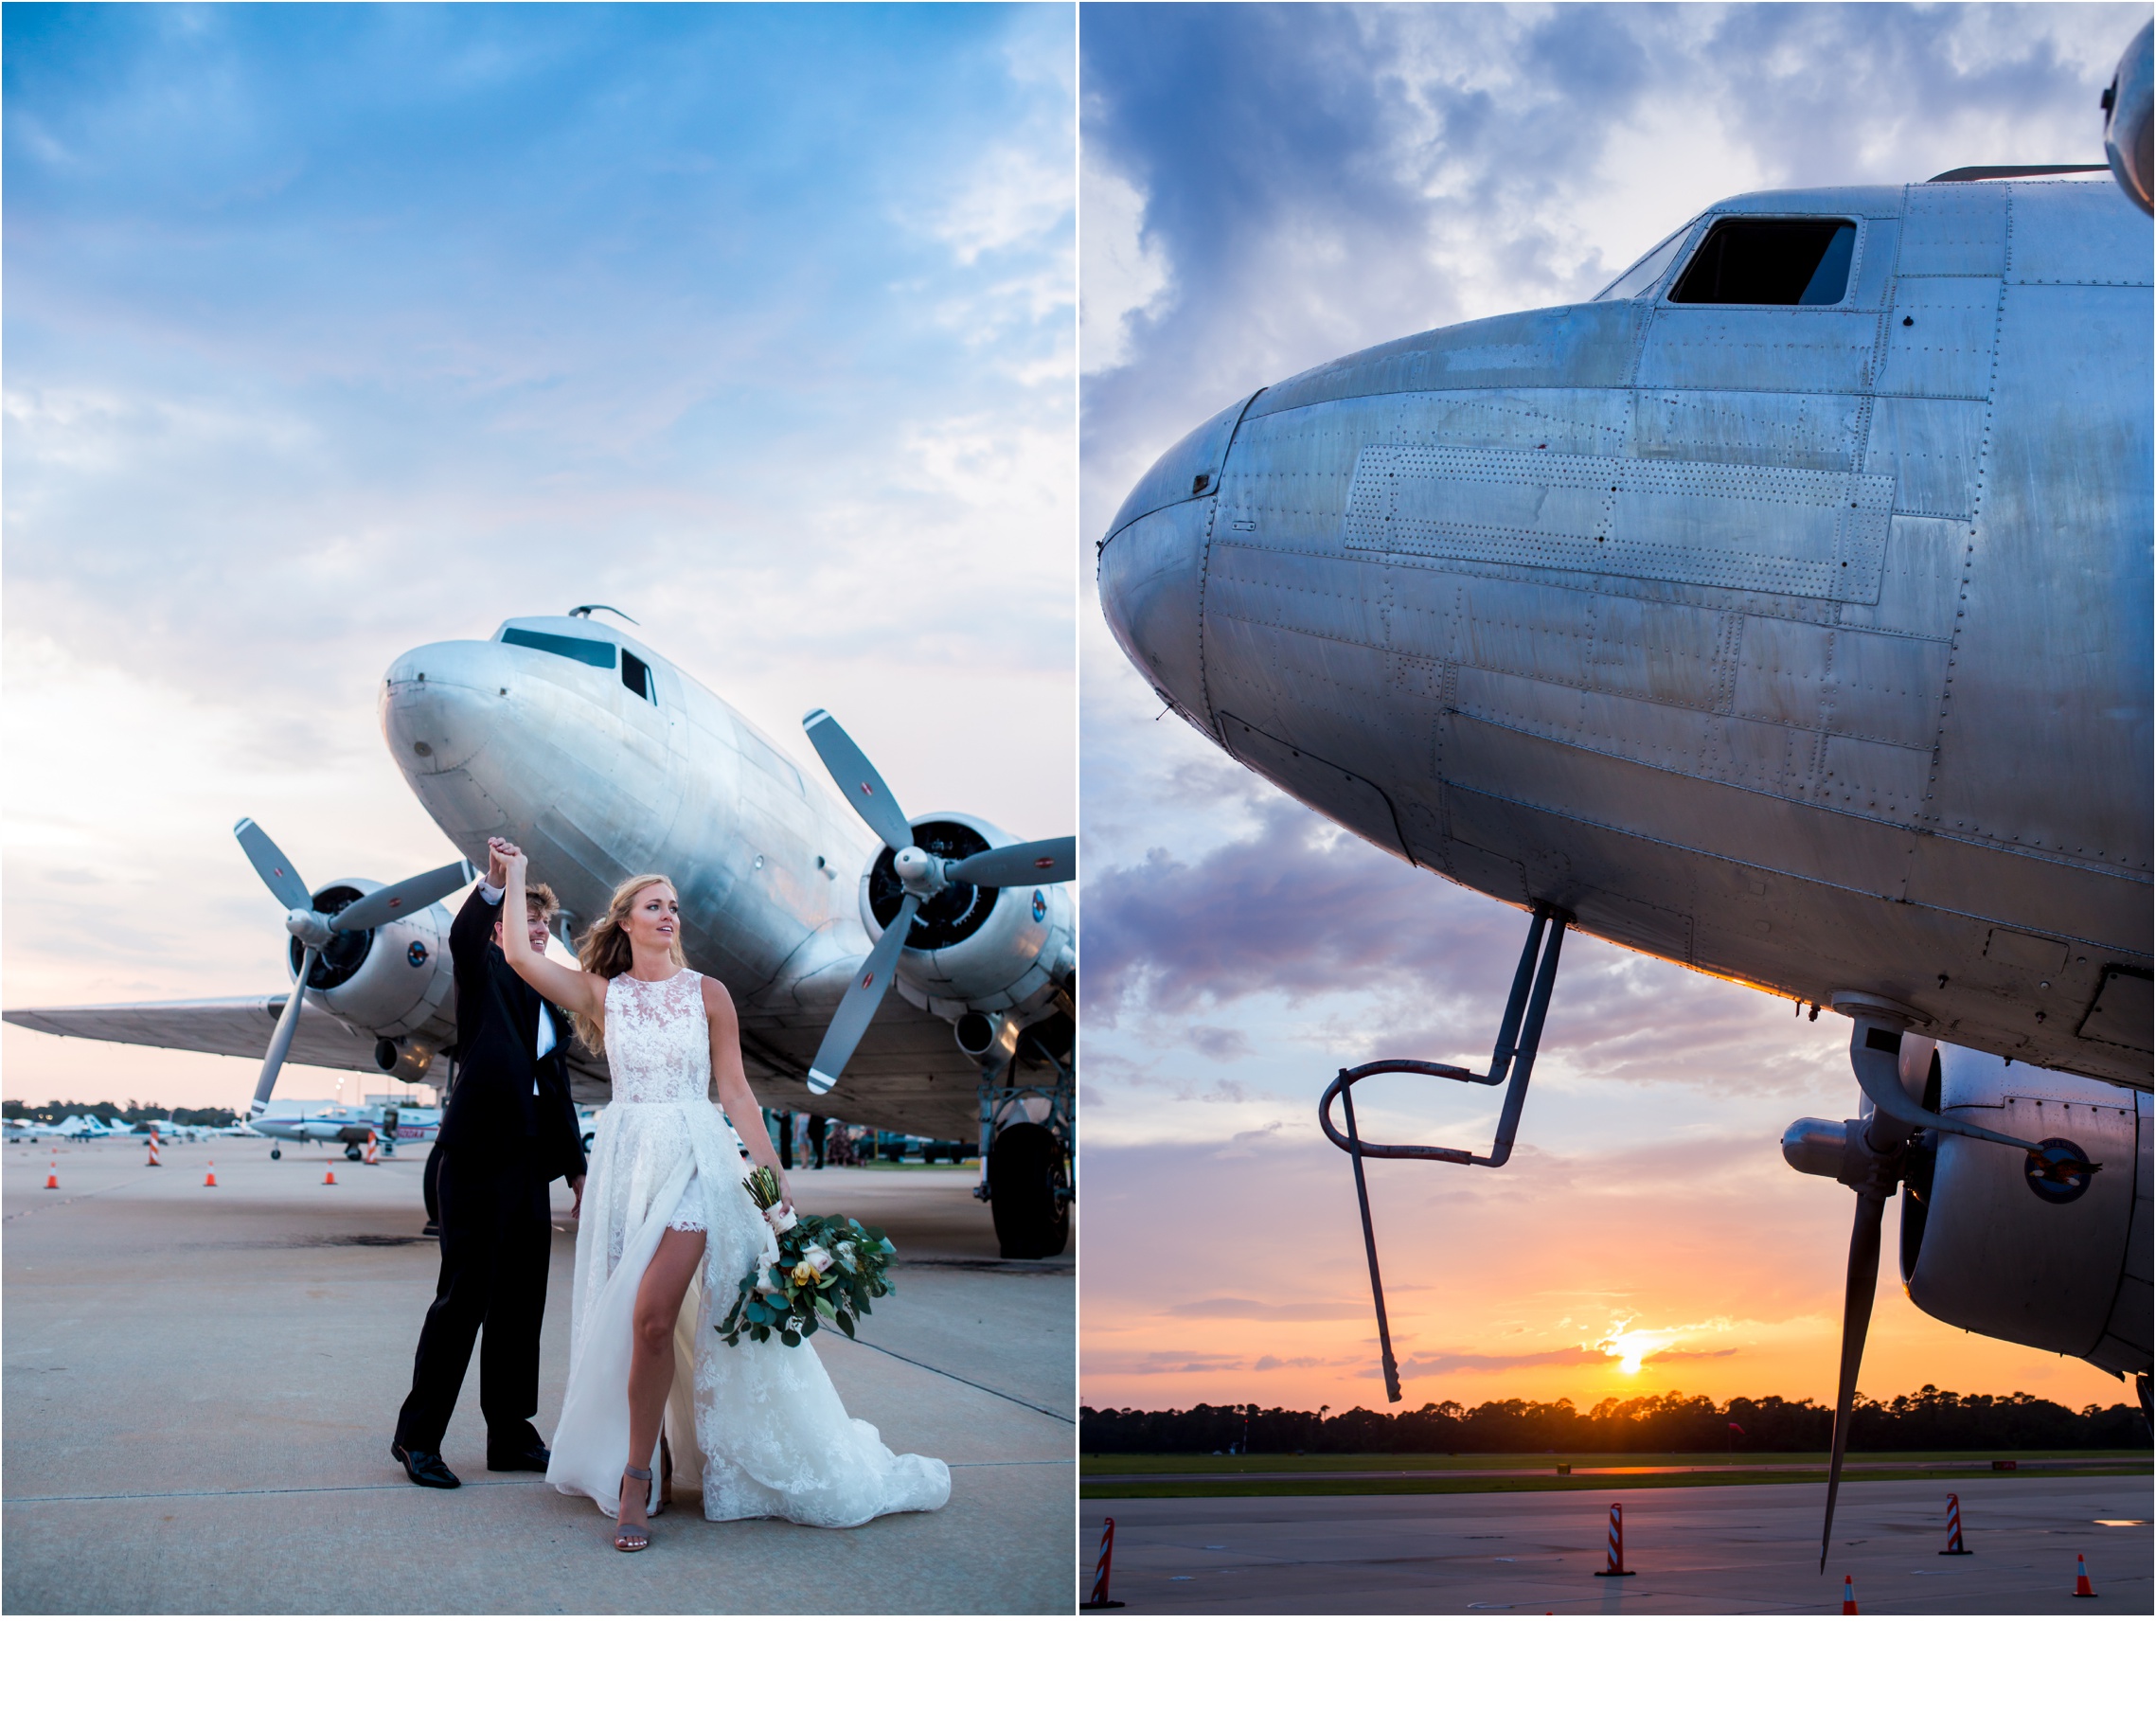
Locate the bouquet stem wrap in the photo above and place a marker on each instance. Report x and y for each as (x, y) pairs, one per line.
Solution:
(827, 1269)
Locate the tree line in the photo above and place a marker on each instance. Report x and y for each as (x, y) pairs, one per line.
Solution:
(104, 1110)
(1929, 1420)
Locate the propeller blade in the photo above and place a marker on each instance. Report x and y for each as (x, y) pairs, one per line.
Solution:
(859, 782)
(273, 865)
(1045, 861)
(280, 1043)
(386, 902)
(1856, 1321)
(858, 1005)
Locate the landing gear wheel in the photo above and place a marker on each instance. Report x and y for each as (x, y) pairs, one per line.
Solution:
(1030, 1192)
(351, 1151)
(276, 1153)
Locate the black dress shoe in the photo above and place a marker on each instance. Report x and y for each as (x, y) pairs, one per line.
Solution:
(426, 1468)
(530, 1460)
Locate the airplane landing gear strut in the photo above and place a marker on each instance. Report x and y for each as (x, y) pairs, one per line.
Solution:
(1519, 1036)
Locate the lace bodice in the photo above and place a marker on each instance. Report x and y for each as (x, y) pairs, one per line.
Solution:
(658, 1041)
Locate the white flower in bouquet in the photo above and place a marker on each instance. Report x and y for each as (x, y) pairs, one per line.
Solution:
(846, 1254)
(815, 1255)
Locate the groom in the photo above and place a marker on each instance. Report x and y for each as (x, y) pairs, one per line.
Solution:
(509, 1130)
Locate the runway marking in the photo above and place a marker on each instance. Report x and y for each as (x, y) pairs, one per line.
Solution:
(1037, 1408)
(46, 1206)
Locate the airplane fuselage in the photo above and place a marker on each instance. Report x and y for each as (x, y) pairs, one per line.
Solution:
(603, 761)
(1807, 644)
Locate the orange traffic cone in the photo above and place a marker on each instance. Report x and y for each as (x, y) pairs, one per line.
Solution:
(52, 1176)
(328, 1180)
(2081, 1588)
(210, 1182)
(373, 1153)
(153, 1150)
(1848, 1597)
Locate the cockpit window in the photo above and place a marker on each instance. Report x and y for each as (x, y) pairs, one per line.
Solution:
(581, 649)
(1645, 274)
(637, 677)
(1782, 262)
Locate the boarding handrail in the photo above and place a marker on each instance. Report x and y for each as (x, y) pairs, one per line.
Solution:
(1519, 1037)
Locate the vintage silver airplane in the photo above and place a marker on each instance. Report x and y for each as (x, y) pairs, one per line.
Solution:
(1783, 612)
(603, 760)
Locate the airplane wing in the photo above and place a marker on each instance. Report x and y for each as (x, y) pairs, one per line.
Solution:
(241, 1028)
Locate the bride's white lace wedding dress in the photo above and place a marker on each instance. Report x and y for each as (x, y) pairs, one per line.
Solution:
(769, 1432)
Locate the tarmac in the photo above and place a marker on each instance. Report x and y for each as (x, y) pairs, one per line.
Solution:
(201, 1385)
(1696, 1550)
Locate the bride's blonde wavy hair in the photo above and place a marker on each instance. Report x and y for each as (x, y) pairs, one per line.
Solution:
(604, 950)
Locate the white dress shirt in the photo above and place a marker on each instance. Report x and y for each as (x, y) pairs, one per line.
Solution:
(491, 895)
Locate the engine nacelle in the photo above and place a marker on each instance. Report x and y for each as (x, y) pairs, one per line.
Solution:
(2041, 1253)
(386, 980)
(973, 947)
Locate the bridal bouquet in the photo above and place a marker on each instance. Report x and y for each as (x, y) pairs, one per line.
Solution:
(827, 1269)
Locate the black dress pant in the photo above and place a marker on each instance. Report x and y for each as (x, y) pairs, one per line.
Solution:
(497, 1240)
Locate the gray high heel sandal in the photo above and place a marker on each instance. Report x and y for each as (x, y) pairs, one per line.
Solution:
(628, 1539)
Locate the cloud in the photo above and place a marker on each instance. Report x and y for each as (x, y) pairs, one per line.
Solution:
(1298, 911)
(1242, 1308)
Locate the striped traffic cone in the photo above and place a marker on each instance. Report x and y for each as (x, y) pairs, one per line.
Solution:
(1101, 1602)
(1954, 1547)
(2081, 1588)
(1616, 1564)
(1848, 1597)
(373, 1153)
(210, 1182)
(153, 1150)
(52, 1173)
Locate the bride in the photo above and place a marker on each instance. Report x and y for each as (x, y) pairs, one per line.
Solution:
(664, 1204)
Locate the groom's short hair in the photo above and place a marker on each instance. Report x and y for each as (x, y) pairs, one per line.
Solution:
(539, 897)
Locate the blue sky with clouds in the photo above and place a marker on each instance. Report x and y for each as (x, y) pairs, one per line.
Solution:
(1264, 189)
(330, 330)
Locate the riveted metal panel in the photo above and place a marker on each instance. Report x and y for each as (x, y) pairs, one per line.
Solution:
(1805, 431)
(1921, 586)
(2047, 739)
(1954, 229)
(1886, 689)
(1683, 656)
(2084, 234)
(1945, 351)
(1527, 629)
(1580, 345)
(1729, 526)
(1881, 781)
(1930, 447)
(1759, 349)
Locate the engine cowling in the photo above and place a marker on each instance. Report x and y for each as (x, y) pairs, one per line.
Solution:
(2037, 1252)
(1003, 949)
(389, 980)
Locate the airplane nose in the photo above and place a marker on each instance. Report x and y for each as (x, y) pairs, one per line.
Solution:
(440, 705)
(1152, 563)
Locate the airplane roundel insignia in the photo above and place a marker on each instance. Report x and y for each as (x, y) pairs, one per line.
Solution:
(2059, 1172)
(416, 953)
(1040, 908)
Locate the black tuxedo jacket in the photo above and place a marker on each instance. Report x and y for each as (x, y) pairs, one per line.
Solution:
(493, 1116)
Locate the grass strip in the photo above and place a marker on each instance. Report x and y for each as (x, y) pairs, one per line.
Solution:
(1120, 1490)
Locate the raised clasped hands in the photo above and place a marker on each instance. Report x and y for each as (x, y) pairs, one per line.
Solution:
(500, 853)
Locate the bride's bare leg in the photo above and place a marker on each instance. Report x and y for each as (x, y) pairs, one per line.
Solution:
(659, 1297)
